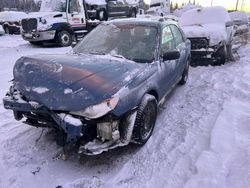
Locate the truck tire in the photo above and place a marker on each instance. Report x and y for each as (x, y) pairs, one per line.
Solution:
(102, 15)
(63, 38)
(145, 119)
(6, 30)
(133, 13)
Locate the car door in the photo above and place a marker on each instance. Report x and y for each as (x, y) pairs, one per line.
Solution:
(76, 14)
(181, 47)
(116, 7)
(167, 68)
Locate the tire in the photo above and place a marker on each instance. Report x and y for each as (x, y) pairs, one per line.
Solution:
(6, 30)
(230, 56)
(145, 120)
(102, 15)
(133, 14)
(63, 39)
(221, 56)
(185, 74)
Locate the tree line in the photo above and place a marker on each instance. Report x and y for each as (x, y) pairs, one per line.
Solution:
(20, 5)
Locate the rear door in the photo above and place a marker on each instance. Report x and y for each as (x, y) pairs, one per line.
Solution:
(76, 14)
(181, 47)
(116, 8)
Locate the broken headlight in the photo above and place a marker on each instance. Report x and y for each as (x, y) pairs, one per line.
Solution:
(99, 110)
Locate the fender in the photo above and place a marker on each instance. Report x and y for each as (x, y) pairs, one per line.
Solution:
(62, 26)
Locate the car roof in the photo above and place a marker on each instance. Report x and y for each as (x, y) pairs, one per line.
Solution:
(150, 20)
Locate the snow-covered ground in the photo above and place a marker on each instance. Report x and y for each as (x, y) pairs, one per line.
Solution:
(201, 139)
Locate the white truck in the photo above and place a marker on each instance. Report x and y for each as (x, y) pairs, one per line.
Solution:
(59, 21)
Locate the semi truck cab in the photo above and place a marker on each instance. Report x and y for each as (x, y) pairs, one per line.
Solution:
(59, 21)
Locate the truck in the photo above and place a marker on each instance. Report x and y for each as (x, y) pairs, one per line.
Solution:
(59, 21)
(159, 7)
(105, 9)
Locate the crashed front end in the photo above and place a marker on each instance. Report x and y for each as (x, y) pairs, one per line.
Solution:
(78, 100)
(95, 128)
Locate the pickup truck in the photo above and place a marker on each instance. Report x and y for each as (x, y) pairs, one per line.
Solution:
(104, 9)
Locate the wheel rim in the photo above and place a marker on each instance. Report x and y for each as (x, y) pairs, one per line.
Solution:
(65, 39)
(101, 15)
(148, 121)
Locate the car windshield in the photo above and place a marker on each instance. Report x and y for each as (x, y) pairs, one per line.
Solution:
(131, 41)
(53, 6)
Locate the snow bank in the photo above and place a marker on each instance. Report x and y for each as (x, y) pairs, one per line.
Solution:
(206, 15)
(226, 164)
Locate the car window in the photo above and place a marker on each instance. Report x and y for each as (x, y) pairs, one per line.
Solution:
(177, 35)
(167, 42)
(133, 41)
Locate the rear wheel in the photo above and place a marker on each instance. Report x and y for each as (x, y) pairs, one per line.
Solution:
(63, 39)
(145, 119)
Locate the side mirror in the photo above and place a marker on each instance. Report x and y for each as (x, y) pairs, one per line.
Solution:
(171, 55)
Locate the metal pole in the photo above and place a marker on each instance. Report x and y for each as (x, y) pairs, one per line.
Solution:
(237, 3)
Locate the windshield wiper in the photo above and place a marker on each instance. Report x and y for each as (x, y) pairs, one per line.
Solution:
(118, 56)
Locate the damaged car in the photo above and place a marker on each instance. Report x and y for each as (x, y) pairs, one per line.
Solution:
(211, 31)
(106, 93)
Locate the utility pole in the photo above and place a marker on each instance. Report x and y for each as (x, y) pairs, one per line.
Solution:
(237, 3)
(212, 2)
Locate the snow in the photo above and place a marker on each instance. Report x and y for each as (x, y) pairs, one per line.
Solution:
(96, 2)
(201, 138)
(215, 32)
(205, 15)
(209, 22)
(70, 119)
(12, 16)
(40, 90)
(239, 16)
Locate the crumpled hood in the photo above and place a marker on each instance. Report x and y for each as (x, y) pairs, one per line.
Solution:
(72, 82)
(215, 32)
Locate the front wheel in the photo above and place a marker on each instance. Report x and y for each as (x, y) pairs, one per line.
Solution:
(64, 39)
(221, 56)
(145, 119)
(102, 15)
(133, 14)
(6, 30)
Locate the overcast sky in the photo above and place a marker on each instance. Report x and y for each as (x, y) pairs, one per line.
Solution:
(229, 4)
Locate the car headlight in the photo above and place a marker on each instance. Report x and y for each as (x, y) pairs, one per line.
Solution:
(44, 27)
(43, 21)
(99, 110)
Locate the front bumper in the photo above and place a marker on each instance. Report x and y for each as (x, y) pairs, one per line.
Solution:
(92, 133)
(39, 35)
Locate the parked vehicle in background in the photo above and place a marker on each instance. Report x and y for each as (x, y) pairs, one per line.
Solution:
(104, 9)
(210, 31)
(159, 7)
(106, 93)
(58, 21)
(1, 30)
(240, 20)
(10, 20)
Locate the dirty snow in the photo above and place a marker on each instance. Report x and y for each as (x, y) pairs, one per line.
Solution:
(201, 138)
